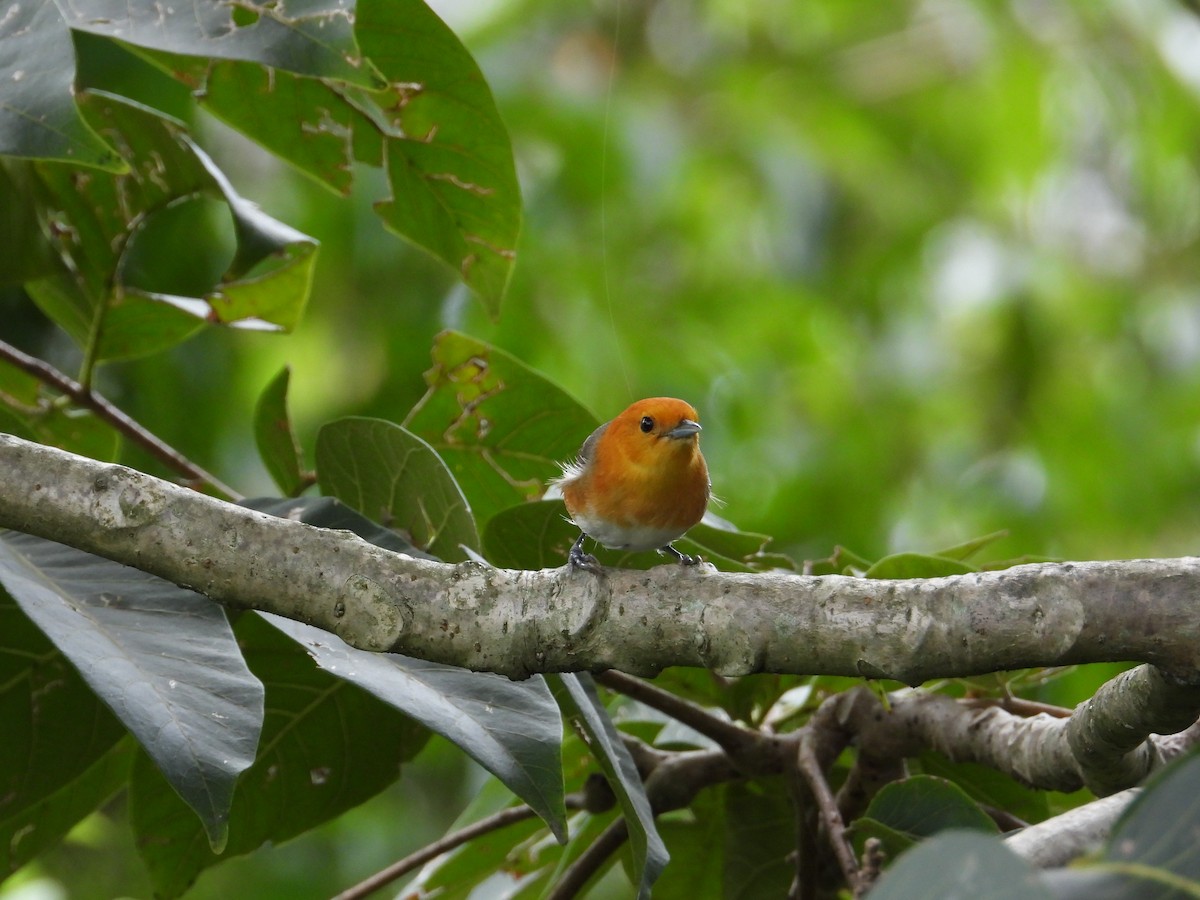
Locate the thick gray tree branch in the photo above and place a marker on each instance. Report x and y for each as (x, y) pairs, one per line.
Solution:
(517, 623)
(1058, 841)
(1109, 744)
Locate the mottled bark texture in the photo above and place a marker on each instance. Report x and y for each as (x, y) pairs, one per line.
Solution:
(520, 622)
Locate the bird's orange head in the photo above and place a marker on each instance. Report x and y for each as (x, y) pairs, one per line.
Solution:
(641, 480)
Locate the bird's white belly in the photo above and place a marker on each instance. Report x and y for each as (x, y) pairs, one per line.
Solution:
(617, 537)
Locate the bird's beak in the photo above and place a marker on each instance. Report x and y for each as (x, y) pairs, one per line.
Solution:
(685, 429)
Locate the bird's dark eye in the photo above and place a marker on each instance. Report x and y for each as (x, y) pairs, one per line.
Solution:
(647, 424)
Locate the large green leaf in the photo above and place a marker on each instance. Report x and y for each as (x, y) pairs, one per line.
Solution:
(1151, 852)
(38, 116)
(196, 710)
(501, 427)
(576, 694)
(329, 512)
(451, 171)
(57, 761)
(326, 746)
(511, 728)
(961, 865)
(694, 841)
(392, 476)
(759, 833)
(144, 261)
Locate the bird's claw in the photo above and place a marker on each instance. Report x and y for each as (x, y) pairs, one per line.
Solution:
(578, 559)
(581, 560)
(684, 559)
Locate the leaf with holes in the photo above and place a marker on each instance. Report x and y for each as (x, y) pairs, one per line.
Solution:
(120, 288)
(501, 427)
(448, 156)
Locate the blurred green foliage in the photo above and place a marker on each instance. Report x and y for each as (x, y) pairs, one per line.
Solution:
(927, 269)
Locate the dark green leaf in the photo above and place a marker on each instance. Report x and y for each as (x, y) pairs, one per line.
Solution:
(501, 428)
(917, 565)
(277, 443)
(314, 38)
(576, 694)
(1158, 830)
(530, 536)
(924, 805)
(511, 728)
(694, 837)
(451, 172)
(57, 758)
(38, 116)
(760, 831)
(27, 253)
(987, 786)
(328, 512)
(960, 865)
(391, 475)
(327, 746)
(196, 711)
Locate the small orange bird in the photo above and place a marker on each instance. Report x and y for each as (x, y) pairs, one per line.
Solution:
(640, 481)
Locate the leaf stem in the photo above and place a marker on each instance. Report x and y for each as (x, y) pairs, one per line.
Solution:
(85, 397)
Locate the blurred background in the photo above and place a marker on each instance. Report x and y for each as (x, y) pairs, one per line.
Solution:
(928, 270)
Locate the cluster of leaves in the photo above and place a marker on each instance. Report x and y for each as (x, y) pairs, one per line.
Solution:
(129, 238)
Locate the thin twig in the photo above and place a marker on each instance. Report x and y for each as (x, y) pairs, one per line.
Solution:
(118, 419)
(402, 867)
(733, 739)
(1018, 706)
(835, 828)
(589, 862)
